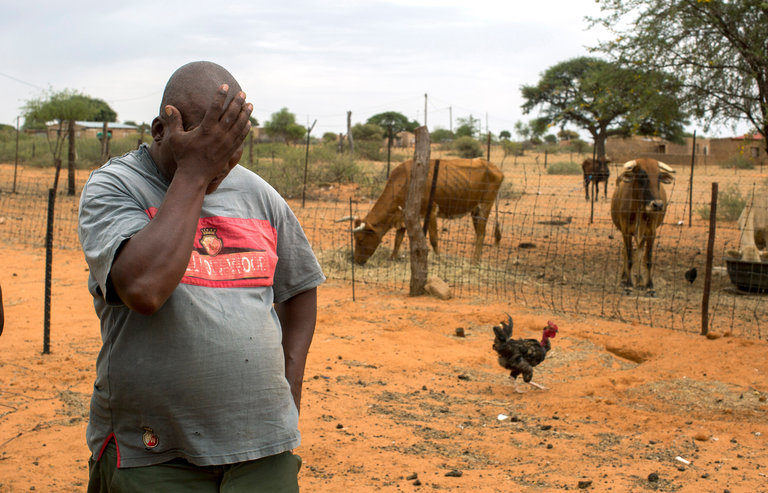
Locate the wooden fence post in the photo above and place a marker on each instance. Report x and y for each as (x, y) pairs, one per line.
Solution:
(708, 268)
(416, 238)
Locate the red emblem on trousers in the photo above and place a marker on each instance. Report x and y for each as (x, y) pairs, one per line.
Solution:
(149, 438)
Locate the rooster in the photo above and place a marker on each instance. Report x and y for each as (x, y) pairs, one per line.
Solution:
(521, 355)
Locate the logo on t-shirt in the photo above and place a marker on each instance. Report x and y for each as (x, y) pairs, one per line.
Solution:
(231, 252)
(210, 242)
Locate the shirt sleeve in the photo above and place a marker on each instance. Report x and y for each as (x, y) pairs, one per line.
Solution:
(297, 267)
(108, 216)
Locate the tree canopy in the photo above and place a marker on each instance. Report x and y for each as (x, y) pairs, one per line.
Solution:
(716, 47)
(66, 105)
(398, 121)
(282, 125)
(367, 131)
(606, 99)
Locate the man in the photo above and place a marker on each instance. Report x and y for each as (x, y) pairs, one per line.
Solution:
(205, 285)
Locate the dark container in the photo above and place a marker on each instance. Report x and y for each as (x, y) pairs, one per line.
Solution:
(748, 276)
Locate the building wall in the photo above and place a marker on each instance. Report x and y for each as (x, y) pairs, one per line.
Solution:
(708, 151)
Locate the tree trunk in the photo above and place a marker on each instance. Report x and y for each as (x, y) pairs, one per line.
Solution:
(600, 140)
(416, 237)
(71, 159)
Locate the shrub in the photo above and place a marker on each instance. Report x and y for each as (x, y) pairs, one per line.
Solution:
(341, 169)
(467, 147)
(737, 161)
(369, 149)
(564, 168)
(512, 148)
(730, 203)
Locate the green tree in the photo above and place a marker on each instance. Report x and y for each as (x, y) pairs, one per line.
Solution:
(368, 138)
(398, 121)
(523, 130)
(467, 127)
(607, 99)
(441, 135)
(393, 123)
(283, 126)
(717, 47)
(467, 147)
(565, 135)
(330, 138)
(367, 131)
(65, 107)
(505, 134)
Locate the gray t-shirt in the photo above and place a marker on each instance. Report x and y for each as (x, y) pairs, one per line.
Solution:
(203, 378)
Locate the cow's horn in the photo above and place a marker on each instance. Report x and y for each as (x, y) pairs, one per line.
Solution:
(665, 167)
(359, 228)
(345, 218)
(629, 165)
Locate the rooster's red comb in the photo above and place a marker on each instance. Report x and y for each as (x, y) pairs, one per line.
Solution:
(551, 325)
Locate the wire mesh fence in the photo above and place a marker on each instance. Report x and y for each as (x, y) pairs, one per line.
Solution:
(558, 252)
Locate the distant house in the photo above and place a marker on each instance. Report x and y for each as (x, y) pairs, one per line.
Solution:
(750, 146)
(405, 139)
(93, 129)
(708, 150)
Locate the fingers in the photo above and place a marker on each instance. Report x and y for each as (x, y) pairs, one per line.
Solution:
(173, 118)
(215, 109)
(232, 118)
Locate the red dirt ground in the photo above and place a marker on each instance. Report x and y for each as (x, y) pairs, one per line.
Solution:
(394, 400)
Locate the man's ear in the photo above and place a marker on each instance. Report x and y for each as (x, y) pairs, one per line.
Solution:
(158, 129)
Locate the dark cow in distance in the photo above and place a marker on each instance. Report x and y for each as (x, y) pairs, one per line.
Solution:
(596, 171)
(637, 209)
(463, 186)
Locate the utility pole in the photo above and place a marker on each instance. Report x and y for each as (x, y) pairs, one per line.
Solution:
(350, 140)
(450, 118)
(16, 161)
(425, 109)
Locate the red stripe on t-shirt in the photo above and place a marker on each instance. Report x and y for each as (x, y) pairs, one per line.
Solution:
(252, 263)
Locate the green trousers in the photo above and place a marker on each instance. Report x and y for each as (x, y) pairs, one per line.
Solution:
(273, 474)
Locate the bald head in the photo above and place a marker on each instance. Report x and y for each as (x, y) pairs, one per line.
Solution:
(193, 85)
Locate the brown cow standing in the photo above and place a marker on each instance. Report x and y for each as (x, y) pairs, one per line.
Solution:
(595, 172)
(463, 186)
(638, 207)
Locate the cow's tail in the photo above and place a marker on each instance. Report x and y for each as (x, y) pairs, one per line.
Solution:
(497, 232)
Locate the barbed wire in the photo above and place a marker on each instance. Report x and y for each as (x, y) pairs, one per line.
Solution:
(557, 252)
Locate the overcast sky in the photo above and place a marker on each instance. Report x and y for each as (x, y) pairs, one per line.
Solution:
(319, 59)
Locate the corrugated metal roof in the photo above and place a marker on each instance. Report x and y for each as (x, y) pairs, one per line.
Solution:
(109, 124)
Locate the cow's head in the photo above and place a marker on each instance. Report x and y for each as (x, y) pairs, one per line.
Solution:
(366, 241)
(645, 177)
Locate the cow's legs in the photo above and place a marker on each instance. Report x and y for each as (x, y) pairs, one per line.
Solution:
(399, 234)
(479, 221)
(626, 274)
(586, 188)
(647, 262)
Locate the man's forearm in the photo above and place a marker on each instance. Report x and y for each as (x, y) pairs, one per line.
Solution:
(150, 264)
(298, 316)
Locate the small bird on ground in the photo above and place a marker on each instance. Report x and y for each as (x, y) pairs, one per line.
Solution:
(690, 275)
(519, 356)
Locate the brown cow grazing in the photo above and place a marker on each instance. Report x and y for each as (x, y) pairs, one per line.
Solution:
(637, 209)
(595, 172)
(463, 186)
